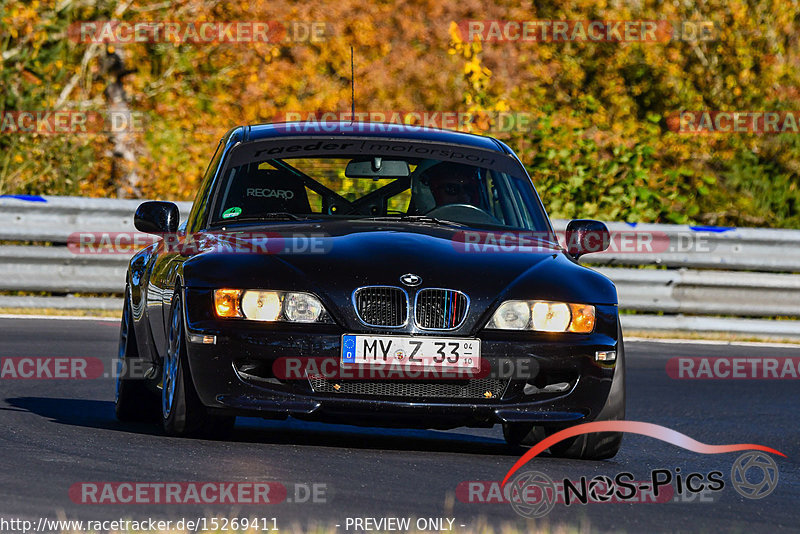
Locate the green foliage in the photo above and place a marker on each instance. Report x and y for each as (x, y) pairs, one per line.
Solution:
(763, 187)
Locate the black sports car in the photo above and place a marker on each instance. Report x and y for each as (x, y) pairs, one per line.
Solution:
(370, 274)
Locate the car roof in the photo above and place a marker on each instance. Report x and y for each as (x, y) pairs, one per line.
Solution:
(370, 130)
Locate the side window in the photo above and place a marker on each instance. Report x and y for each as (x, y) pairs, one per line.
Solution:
(523, 200)
(533, 218)
(200, 206)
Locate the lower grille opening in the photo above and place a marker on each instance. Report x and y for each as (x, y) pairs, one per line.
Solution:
(482, 388)
(546, 385)
(259, 373)
(255, 369)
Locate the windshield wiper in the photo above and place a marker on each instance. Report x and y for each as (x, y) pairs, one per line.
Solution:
(274, 216)
(415, 218)
(282, 215)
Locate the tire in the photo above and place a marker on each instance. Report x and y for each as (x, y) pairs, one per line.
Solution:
(599, 445)
(522, 434)
(182, 412)
(134, 401)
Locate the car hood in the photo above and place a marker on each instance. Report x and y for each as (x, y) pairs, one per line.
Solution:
(333, 259)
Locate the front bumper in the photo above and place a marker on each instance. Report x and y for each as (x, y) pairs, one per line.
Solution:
(236, 375)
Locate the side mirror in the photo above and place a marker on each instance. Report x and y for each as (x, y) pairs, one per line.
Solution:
(156, 217)
(585, 236)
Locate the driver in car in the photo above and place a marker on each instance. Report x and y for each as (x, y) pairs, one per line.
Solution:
(455, 183)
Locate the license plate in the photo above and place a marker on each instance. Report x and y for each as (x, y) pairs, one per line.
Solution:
(416, 352)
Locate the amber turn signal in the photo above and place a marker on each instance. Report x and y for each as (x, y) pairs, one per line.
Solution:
(227, 302)
(582, 318)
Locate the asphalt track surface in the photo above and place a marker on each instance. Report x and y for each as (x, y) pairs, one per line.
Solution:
(56, 433)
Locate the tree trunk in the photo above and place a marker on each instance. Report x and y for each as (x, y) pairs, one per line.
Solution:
(121, 132)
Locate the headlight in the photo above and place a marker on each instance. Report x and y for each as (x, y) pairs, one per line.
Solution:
(270, 306)
(543, 316)
(550, 316)
(512, 315)
(262, 305)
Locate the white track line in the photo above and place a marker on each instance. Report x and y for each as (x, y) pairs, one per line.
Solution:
(56, 317)
(678, 341)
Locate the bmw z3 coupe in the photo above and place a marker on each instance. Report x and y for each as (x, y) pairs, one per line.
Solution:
(374, 275)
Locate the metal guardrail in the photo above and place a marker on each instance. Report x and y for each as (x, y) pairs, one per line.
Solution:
(759, 328)
(707, 292)
(700, 247)
(53, 219)
(685, 286)
(58, 270)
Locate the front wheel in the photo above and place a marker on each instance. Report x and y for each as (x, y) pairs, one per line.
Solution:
(522, 434)
(182, 412)
(599, 445)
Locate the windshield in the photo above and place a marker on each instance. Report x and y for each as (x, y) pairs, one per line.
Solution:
(359, 187)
